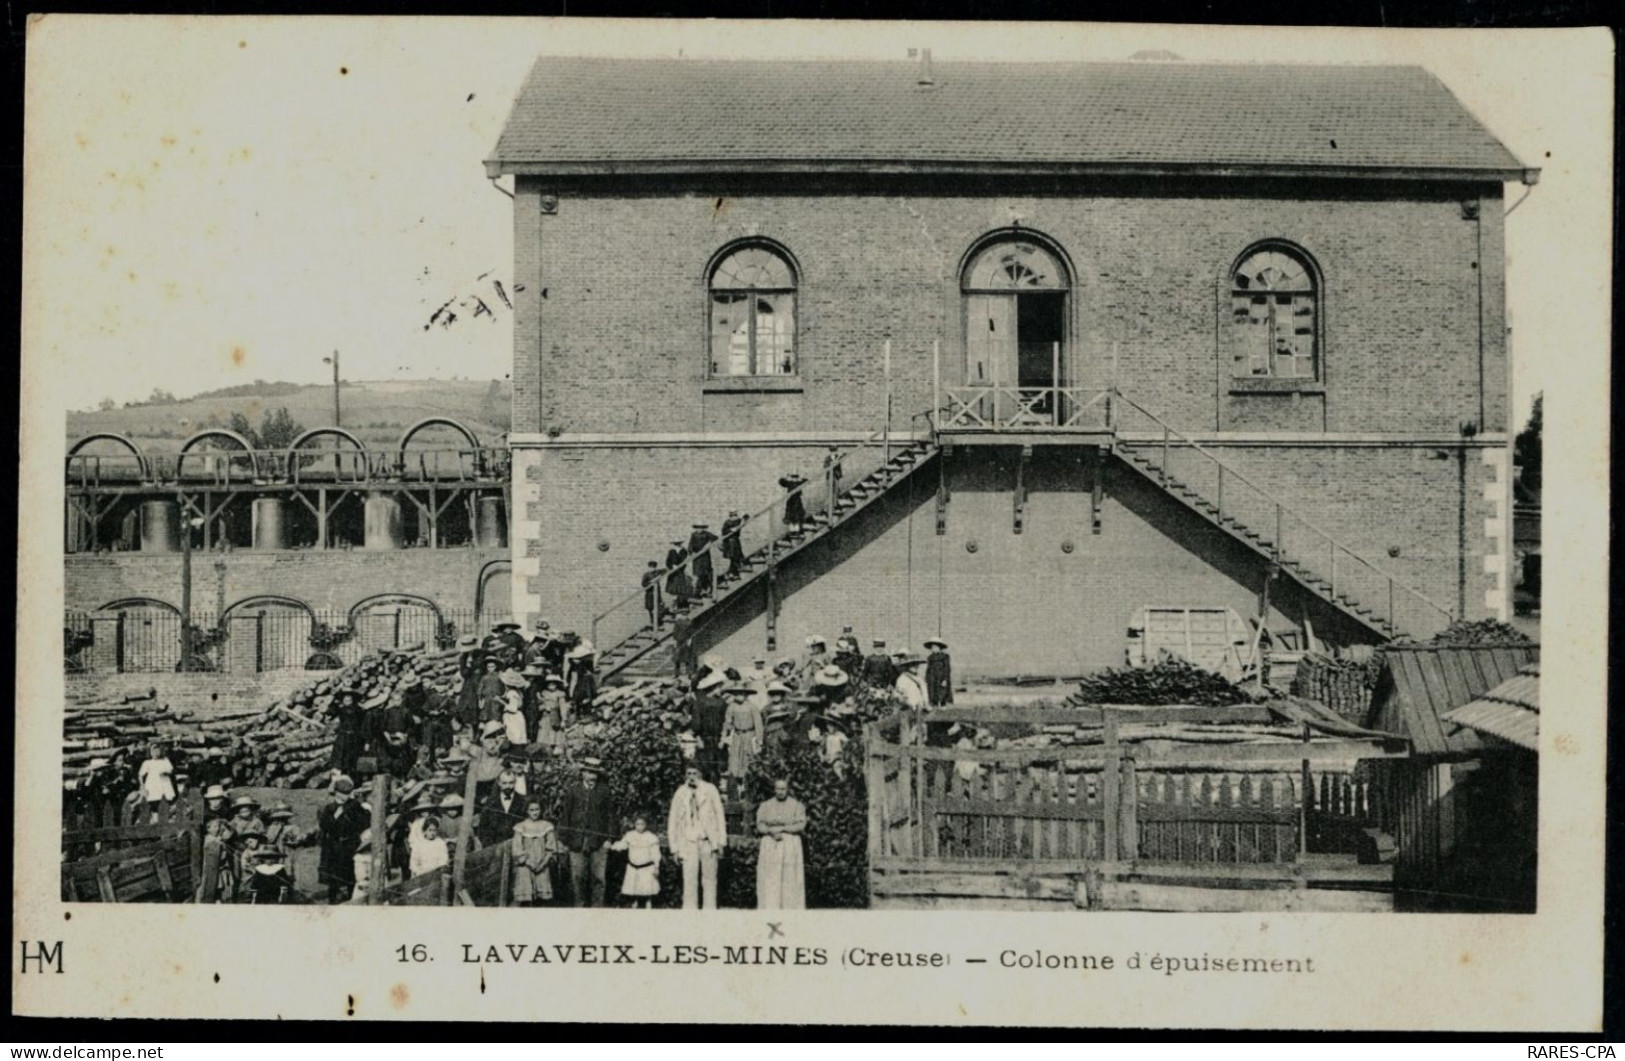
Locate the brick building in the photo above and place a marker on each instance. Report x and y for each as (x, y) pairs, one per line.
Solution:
(1149, 334)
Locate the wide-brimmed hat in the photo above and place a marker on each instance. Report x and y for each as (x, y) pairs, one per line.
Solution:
(542, 624)
(778, 687)
(554, 679)
(711, 681)
(280, 810)
(814, 639)
(376, 700)
(244, 801)
(830, 675)
(712, 660)
(513, 679)
(452, 802)
(409, 679)
(581, 650)
(879, 642)
(492, 728)
(455, 755)
(426, 801)
(214, 792)
(468, 642)
(738, 689)
(506, 624)
(907, 660)
(937, 641)
(533, 670)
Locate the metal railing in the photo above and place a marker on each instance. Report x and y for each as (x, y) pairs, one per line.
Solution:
(1176, 458)
(225, 468)
(285, 638)
(759, 536)
(1004, 407)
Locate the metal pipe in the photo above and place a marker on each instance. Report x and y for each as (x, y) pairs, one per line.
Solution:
(1055, 383)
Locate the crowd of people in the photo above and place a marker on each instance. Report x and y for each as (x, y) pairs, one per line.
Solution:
(503, 719)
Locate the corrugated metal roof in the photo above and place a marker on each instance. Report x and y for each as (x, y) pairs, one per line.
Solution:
(1510, 711)
(1421, 684)
(593, 115)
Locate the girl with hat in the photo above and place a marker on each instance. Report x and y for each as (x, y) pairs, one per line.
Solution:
(245, 817)
(939, 673)
(830, 684)
(280, 832)
(552, 712)
(157, 780)
(641, 882)
(743, 730)
(513, 707)
(451, 818)
(350, 738)
(795, 509)
(535, 844)
(710, 716)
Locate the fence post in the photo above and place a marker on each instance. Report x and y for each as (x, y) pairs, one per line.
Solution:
(1110, 780)
(377, 877)
(1307, 782)
(1221, 491)
(1130, 810)
(936, 383)
(1164, 469)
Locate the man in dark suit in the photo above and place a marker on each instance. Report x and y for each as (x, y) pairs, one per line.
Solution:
(340, 825)
(699, 547)
(587, 826)
(499, 814)
(879, 670)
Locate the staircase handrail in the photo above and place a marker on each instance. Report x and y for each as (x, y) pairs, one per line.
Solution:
(715, 548)
(1170, 432)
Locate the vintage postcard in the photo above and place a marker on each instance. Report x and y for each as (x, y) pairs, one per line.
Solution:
(808, 522)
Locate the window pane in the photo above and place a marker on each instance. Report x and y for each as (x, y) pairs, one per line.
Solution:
(753, 268)
(1272, 311)
(775, 335)
(730, 336)
(1015, 265)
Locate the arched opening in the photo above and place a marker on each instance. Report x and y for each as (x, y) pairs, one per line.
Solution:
(216, 455)
(99, 521)
(493, 595)
(1015, 287)
(330, 456)
(395, 620)
(149, 634)
(281, 630)
(438, 448)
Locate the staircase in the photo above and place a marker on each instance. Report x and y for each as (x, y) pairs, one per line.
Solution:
(1386, 606)
(906, 457)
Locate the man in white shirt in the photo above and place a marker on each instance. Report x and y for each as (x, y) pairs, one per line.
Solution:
(697, 830)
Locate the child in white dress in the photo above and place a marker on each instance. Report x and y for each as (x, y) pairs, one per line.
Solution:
(642, 881)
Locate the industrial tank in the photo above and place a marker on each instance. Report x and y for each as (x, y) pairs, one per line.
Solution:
(383, 522)
(270, 523)
(160, 527)
(490, 524)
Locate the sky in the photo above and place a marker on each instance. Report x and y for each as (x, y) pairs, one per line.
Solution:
(210, 201)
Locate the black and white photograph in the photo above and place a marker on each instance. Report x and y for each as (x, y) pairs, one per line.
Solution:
(512, 465)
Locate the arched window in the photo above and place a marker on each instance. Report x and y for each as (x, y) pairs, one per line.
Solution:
(753, 314)
(1274, 315)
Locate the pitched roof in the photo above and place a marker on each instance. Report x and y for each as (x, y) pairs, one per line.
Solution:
(1421, 684)
(1510, 711)
(590, 115)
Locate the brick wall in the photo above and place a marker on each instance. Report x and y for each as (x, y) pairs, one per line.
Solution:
(1028, 605)
(610, 334)
(325, 580)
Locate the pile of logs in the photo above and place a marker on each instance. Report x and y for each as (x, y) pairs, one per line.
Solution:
(1342, 685)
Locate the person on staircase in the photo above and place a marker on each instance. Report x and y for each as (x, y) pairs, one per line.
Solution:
(795, 508)
(651, 592)
(732, 549)
(678, 586)
(699, 547)
(683, 659)
(536, 651)
(581, 678)
(939, 673)
(879, 670)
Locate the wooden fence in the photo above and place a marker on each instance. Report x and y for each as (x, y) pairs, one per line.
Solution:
(1262, 813)
(158, 866)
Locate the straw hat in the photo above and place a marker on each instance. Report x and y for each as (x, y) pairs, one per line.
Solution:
(831, 675)
(507, 624)
(711, 681)
(513, 680)
(739, 689)
(906, 660)
(492, 729)
(554, 680)
(814, 641)
(280, 811)
(543, 626)
(214, 792)
(376, 700)
(778, 687)
(937, 641)
(452, 802)
(533, 670)
(244, 801)
(581, 651)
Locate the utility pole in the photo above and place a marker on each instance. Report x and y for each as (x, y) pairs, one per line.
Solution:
(334, 361)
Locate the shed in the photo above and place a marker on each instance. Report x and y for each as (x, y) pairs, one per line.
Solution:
(1420, 684)
(1461, 810)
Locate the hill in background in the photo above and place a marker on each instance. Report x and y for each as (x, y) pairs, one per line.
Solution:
(375, 411)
